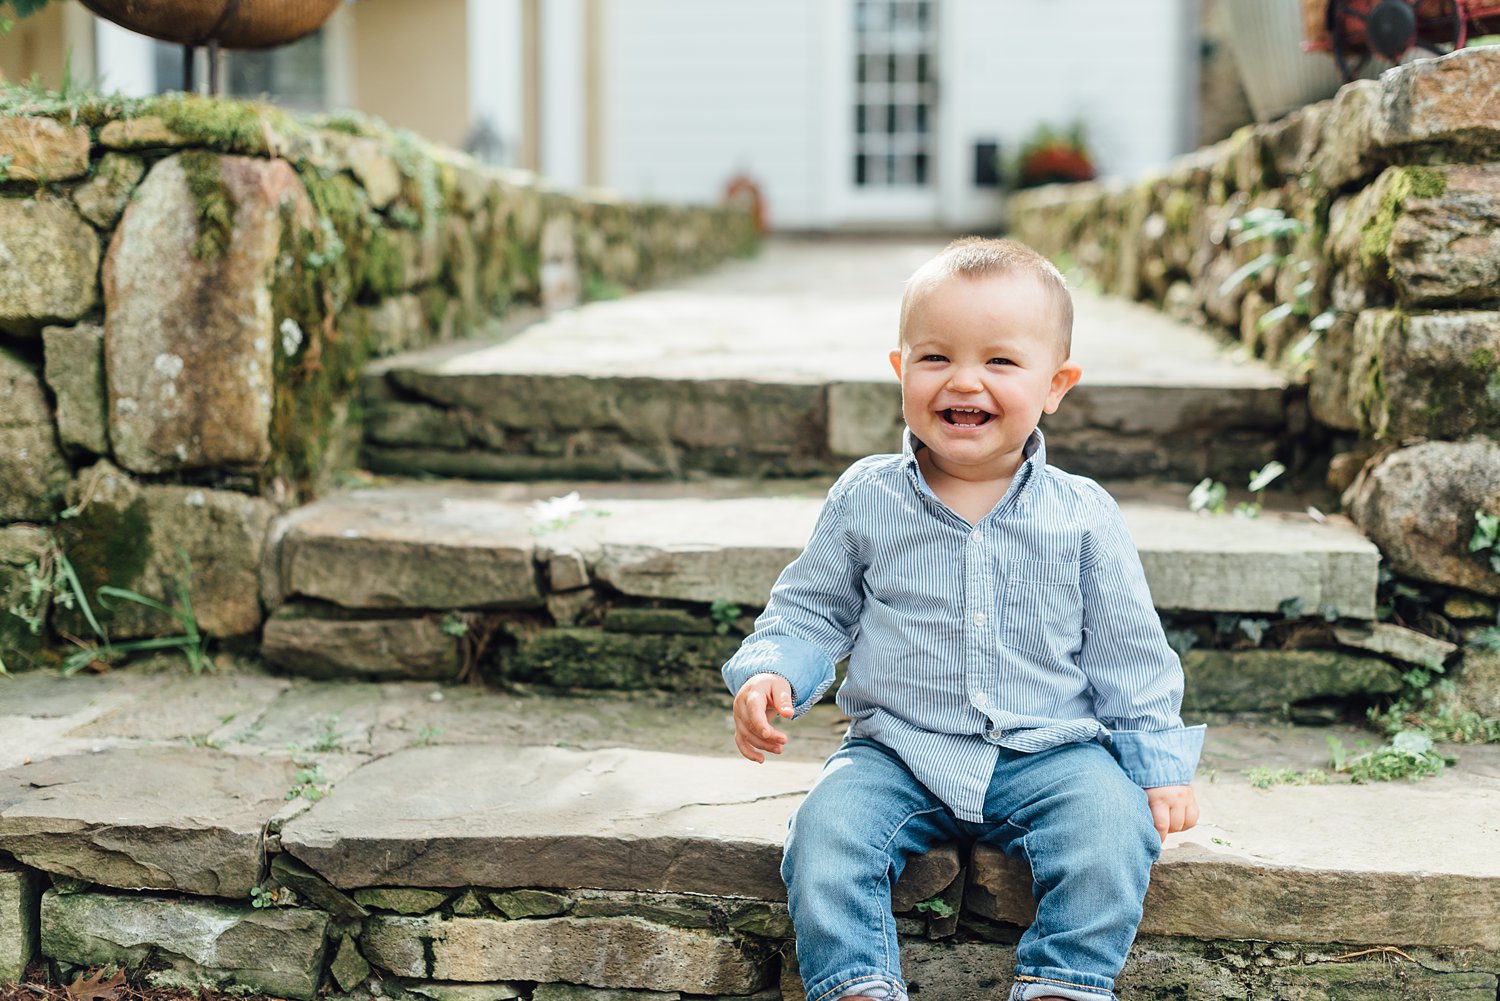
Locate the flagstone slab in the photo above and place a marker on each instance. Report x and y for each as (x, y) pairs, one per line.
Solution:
(149, 818)
(436, 553)
(1312, 863)
(554, 817)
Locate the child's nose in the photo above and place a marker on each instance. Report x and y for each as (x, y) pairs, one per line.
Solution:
(963, 378)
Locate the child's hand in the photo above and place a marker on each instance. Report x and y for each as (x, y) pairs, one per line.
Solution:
(761, 698)
(1173, 809)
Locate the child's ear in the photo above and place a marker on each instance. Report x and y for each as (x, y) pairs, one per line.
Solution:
(1064, 379)
(896, 362)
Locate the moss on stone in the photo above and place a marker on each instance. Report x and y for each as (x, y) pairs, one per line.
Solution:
(1405, 183)
(106, 544)
(318, 358)
(1178, 209)
(216, 204)
(592, 658)
(382, 268)
(228, 126)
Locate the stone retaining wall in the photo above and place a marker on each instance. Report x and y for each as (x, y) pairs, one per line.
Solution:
(189, 292)
(558, 944)
(1382, 288)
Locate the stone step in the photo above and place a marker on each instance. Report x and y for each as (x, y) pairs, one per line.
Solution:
(465, 545)
(639, 837)
(652, 585)
(776, 368)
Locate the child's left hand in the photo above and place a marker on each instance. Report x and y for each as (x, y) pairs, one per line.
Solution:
(1173, 809)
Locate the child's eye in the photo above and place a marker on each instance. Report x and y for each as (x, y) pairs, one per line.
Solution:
(1001, 361)
(934, 358)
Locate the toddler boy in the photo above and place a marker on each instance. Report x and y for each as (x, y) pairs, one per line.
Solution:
(1008, 678)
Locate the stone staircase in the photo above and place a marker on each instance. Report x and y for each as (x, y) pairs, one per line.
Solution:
(582, 828)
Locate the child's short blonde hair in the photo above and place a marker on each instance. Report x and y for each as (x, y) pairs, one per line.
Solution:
(983, 257)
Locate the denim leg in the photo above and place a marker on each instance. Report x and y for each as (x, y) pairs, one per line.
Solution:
(848, 843)
(1086, 830)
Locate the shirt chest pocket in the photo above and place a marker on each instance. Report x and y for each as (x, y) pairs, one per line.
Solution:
(1042, 609)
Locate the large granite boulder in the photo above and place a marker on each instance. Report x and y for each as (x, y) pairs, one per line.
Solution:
(189, 325)
(1418, 505)
(33, 472)
(49, 264)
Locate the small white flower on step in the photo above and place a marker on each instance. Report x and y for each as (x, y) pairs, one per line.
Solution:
(435, 697)
(195, 499)
(556, 512)
(291, 336)
(350, 533)
(1315, 515)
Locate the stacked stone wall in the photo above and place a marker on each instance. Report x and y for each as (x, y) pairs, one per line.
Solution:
(189, 292)
(1356, 243)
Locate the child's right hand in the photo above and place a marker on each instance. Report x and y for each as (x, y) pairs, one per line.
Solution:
(760, 699)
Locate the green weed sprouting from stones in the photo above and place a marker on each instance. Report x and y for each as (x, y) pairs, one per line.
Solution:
(455, 625)
(1487, 536)
(327, 738)
(1265, 778)
(1409, 755)
(1210, 496)
(724, 614)
(1273, 226)
(1427, 703)
(426, 735)
(1488, 638)
(261, 898)
(191, 642)
(937, 907)
(310, 783)
(1207, 497)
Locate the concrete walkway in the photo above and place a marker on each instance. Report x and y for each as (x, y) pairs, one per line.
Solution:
(156, 780)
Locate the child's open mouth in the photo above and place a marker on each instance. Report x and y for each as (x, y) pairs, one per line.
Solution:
(967, 417)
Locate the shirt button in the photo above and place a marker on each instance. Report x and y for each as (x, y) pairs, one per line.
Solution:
(981, 699)
(975, 535)
(979, 619)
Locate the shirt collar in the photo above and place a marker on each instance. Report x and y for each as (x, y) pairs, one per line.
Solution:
(1034, 452)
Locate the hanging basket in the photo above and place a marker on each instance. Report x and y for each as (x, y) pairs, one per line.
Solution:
(234, 24)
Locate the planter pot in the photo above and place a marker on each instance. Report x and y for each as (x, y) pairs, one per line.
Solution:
(234, 24)
(1266, 38)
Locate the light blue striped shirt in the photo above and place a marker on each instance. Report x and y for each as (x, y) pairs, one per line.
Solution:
(1031, 629)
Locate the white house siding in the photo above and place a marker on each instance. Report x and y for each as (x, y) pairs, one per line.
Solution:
(696, 92)
(1123, 69)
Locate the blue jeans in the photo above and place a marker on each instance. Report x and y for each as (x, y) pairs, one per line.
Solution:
(1070, 812)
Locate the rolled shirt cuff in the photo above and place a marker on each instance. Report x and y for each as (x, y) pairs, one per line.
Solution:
(1159, 757)
(805, 667)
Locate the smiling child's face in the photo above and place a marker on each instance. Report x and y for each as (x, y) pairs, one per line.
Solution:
(981, 360)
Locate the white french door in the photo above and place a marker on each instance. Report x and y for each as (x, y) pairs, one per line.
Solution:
(883, 89)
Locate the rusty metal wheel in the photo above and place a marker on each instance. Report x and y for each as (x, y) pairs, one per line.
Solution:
(1374, 36)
